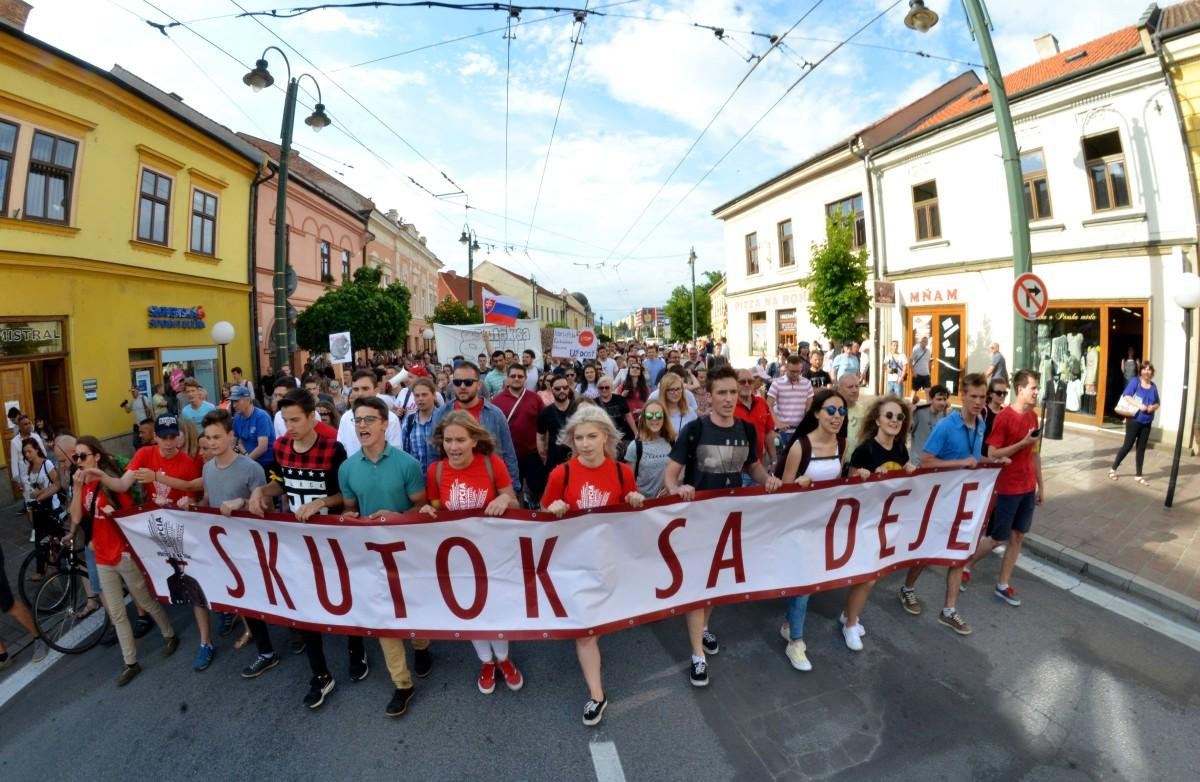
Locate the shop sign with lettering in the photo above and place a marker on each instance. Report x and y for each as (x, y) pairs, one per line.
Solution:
(176, 317)
(932, 295)
(30, 338)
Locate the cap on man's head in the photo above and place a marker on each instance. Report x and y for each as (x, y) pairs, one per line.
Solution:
(166, 426)
(239, 392)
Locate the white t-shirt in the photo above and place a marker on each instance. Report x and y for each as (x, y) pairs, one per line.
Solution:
(349, 438)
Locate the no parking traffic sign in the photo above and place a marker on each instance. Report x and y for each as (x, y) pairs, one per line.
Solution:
(1030, 296)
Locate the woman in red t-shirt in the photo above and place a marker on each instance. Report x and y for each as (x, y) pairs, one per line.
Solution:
(116, 569)
(470, 476)
(593, 478)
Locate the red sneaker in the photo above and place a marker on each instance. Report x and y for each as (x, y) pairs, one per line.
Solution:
(487, 678)
(512, 677)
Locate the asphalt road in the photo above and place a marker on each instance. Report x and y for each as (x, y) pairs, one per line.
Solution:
(1058, 689)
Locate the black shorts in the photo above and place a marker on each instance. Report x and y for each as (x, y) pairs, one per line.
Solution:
(1011, 512)
(6, 595)
(921, 382)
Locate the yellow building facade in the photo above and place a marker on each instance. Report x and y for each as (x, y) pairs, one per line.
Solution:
(124, 236)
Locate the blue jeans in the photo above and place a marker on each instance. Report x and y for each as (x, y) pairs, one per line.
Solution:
(895, 388)
(747, 481)
(796, 612)
(89, 557)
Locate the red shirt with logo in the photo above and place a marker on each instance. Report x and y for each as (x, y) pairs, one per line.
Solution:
(107, 542)
(470, 488)
(180, 466)
(1020, 475)
(589, 487)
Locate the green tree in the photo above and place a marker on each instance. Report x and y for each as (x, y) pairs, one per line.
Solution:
(377, 319)
(450, 312)
(679, 312)
(837, 284)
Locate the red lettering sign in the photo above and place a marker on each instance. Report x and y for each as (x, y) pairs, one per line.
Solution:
(889, 518)
(540, 572)
(479, 571)
(832, 562)
(339, 562)
(916, 544)
(239, 587)
(270, 567)
(952, 542)
(731, 536)
(671, 559)
(387, 552)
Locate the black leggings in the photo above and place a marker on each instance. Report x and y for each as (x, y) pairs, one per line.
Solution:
(315, 647)
(1134, 431)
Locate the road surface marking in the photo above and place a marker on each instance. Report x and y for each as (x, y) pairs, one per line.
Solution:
(26, 674)
(607, 762)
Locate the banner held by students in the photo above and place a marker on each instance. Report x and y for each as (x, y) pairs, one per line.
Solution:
(468, 340)
(523, 577)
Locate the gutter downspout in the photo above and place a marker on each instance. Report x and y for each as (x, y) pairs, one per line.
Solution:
(879, 262)
(252, 271)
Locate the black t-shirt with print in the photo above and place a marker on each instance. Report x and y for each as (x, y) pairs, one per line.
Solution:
(819, 378)
(871, 455)
(617, 407)
(715, 456)
(550, 422)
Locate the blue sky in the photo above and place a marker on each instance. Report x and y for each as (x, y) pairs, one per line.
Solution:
(644, 82)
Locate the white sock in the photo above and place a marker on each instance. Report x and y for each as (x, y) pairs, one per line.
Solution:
(947, 612)
(1002, 587)
(697, 658)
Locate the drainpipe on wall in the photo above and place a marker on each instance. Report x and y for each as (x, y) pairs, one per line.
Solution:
(879, 263)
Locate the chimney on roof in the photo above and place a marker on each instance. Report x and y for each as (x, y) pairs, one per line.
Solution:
(1046, 45)
(14, 13)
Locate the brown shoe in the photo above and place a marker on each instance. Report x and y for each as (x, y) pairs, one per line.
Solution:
(170, 645)
(955, 622)
(128, 673)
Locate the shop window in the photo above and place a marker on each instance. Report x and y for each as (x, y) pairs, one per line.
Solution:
(758, 334)
(8, 144)
(1037, 186)
(787, 255)
(154, 207)
(345, 265)
(1105, 163)
(204, 223)
(786, 330)
(752, 253)
(925, 211)
(51, 171)
(850, 210)
(1068, 357)
(326, 274)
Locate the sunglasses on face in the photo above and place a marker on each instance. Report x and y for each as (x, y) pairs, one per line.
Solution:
(831, 410)
(464, 381)
(604, 388)
(564, 389)
(79, 457)
(653, 416)
(889, 415)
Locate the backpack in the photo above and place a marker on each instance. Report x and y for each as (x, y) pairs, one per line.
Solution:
(805, 454)
(637, 464)
(487, 463)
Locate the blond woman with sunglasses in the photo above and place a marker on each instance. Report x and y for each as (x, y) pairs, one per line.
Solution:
(650, 453)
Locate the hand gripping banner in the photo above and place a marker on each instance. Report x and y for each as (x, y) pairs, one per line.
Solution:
(531, 576)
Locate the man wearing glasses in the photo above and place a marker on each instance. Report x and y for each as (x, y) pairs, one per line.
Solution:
(753, 409)
(466, 383)
(363, 387)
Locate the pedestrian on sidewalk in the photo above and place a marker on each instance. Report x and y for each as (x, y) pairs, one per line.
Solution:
(1019, 486)
(19, 611)
(1137, 426)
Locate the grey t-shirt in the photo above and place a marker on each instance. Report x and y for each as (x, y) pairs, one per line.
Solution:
(919, 360)
(234, 482)
(656, 455)
(924, 419)
(1001, 368)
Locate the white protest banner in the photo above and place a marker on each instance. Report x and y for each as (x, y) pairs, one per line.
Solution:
(569, 343)
(340, 351)
(467, 341)
(528, 576)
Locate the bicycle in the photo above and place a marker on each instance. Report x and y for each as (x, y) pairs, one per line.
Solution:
(50, 547)
(60, 608)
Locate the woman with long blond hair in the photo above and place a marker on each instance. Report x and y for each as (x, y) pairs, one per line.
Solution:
(674, 398)
(650, 453)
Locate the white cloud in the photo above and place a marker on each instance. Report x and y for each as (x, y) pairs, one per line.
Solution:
(477, 63)
(331, 20)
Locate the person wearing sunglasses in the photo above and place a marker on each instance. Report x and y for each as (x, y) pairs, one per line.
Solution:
(553, 419)
(634, 387)
(881, 449)
(467, 386)
(996, 400)
(650, 453)
(753, 409)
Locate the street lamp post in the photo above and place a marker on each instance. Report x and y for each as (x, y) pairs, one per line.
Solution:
(222, 334)
(427, 335)
(692, 263)
(920, 18)
(256, 80)
(470, 239)
(1187, 296)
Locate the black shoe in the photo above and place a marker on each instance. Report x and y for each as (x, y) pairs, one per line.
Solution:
(318, 688)
(261, 665)
(296, 643)
(170, 645)
(593, 711)
(399, 702)
(128, 673)
(227, 624)
(359, 669)
(142, 625)
(110, 637)
(422, 662)
(709, 642)
(699, 673)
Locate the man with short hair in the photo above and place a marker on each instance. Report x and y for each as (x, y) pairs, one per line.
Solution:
(925, 418)
(416, 430)
(285, 373)
(848, 389)
(141, 408)
(997, 367)
(956, 442)
(919, 363)
(552, 420)
(493, 381)
(378, 480)
(652, 365)
(712, 452)
(197, 407)
(363, 387)
(753, 409)
(607, 362)
(466, 384)
(306, 474)
(789, 397)
(815, 374)
(846, 362)
(1019, 487)
(521, 407)
(252, 427)
(895, 369)
(145, 433)
(238, 379)
(532, 372)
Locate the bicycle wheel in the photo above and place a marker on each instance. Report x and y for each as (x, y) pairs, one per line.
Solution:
(27, 584)
(59, 614)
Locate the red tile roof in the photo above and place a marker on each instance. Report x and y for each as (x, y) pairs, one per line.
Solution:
(1042, 72)
(329, 185)
(455, 286)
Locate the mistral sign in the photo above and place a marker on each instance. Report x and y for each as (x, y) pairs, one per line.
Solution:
(530, 576)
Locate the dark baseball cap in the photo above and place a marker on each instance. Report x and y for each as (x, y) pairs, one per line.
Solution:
(166, 426)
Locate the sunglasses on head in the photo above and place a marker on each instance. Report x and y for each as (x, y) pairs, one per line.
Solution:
(889, 415)
(832, 410)
(464, 381)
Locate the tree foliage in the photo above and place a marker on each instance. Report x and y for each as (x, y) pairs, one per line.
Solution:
(376, 318)
(679, 312)
(451, 312)
(837, 284)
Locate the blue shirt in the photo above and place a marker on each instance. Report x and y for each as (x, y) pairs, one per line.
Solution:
(952, 439)
(248, 430)
(843, 364)
(1145, 396)
(416, 439)
(386, 484)
(194, 415)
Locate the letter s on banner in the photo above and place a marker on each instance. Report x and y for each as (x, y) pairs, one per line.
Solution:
(671, 559)
(239, 587)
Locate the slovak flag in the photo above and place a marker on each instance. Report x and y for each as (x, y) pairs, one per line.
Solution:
(502, 310)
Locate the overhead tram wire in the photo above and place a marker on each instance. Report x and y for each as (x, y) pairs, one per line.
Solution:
(755, 125)
(711, 122)
(580, 20)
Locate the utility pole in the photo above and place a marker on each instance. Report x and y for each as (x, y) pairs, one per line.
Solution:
(695, 327)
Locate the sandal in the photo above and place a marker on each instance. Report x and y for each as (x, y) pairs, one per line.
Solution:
(1141, 480)
(243, 641)
(1112, 475)
(91, 607)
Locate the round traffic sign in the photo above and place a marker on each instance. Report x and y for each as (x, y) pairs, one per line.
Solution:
(1030, 296)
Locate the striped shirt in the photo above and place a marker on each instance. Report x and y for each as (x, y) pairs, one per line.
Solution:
(791, 400)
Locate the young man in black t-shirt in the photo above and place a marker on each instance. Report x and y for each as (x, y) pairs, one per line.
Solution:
(551, 421)
(712, 452)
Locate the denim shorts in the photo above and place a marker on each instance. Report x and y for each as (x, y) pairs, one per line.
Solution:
(1012, 512)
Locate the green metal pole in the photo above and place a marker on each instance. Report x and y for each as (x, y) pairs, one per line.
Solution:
(280, 278)
(1023, 357)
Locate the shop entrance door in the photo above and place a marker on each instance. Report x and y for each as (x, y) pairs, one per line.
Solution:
(944, 327)
(15, 389)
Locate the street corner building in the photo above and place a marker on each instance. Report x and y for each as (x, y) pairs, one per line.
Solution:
(124, 236)
(1110, 195)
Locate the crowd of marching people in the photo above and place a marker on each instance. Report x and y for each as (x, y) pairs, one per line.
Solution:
(498, 432)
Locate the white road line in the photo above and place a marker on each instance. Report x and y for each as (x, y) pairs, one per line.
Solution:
(606, 762)
(12, 684)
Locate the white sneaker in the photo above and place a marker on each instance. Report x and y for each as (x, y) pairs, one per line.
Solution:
(796, 656)
(862, 629)
(853, 635)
